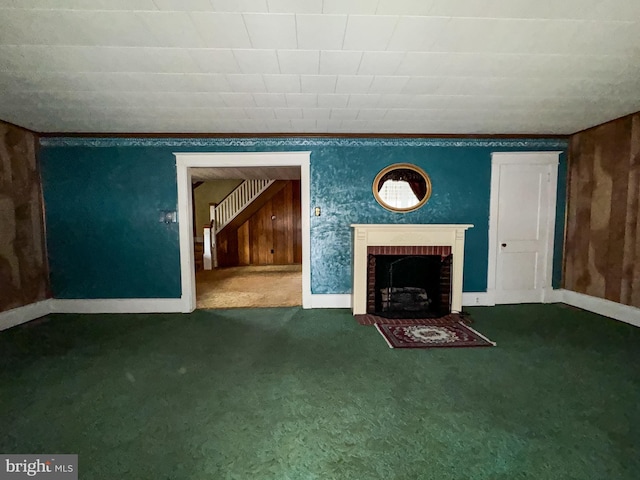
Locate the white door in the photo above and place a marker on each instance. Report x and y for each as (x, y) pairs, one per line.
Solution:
(523, 203)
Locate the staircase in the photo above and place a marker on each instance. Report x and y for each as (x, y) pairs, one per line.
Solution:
(237, 201)
(226, 211)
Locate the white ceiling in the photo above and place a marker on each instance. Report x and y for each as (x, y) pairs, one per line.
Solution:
(318, 66)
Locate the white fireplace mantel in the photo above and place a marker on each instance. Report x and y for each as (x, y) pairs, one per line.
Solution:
(405, 235)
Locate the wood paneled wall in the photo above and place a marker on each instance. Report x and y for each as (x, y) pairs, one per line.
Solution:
(602, 251)
(24, 276)
(271, 236)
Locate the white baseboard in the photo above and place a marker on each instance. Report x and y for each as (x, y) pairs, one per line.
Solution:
(17, 316)
(332, 300)
(553, 295)
(477, 299)
(617, 311)
(119, 305)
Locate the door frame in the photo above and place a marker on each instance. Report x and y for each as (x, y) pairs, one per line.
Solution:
(498, 159)
(187, 160)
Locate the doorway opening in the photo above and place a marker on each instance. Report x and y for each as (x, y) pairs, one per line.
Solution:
(247, 231)
(235, 165)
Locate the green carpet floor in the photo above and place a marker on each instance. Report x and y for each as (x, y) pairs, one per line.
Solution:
(292, 394)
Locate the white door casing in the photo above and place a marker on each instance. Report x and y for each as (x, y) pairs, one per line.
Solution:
(187, 160)
(521, 226)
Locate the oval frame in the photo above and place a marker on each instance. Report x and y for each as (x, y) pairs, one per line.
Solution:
(404, 166)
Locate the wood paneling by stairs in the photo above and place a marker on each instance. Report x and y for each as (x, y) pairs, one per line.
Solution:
(271, 235)
(602, 252)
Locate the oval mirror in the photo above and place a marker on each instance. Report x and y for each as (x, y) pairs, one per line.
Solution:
(402, 187)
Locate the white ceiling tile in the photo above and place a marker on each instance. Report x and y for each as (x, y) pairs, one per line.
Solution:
(363, 100)
(354, 126)
(186, 5)
(81, 4)
(321, 32)
(278, 126)
(416, 33)
(613, 10)
(371, 113)
(253, 83)
(344, 113)
(369, 32)
(385, 84)
(237, 99)
(326, 100)
(316, 113)
(270, 100)
(171, 29)
(295, 6)
(288, 113)
(380, 63)
(422, 64)
(197, 99)
(257, 61)
(434, 102)
(435, 85)
(136, 65)
(180, 82)
(261, 113)
(73, 27)
(396, 101)
(240, 6)
(299, 61)
(303, 126)
(111, 29)
(325, 125)
(159, 60)
(353, 83)
(404, 7)
(469, 8)
(303, 100)
(221, 30)
(350, 7)
(215, 60)
(318, 83)
(101, 59)
(282, 83)
(271, 30)
(209, 83)
(339, 62)
(25, 27)
(233, 113)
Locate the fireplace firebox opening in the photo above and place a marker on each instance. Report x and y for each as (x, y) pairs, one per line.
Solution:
(409, 286)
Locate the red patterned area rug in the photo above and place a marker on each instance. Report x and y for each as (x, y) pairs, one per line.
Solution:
(432, 336)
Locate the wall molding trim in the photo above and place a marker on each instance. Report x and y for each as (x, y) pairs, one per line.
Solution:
(607, 308)
(303, 142)
(20, 315)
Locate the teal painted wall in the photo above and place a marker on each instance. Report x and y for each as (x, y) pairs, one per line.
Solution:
(103, 196)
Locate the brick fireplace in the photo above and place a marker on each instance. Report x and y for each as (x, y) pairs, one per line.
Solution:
(415, 241)
(387, 295)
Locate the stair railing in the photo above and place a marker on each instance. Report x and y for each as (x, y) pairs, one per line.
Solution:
(238, 200)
